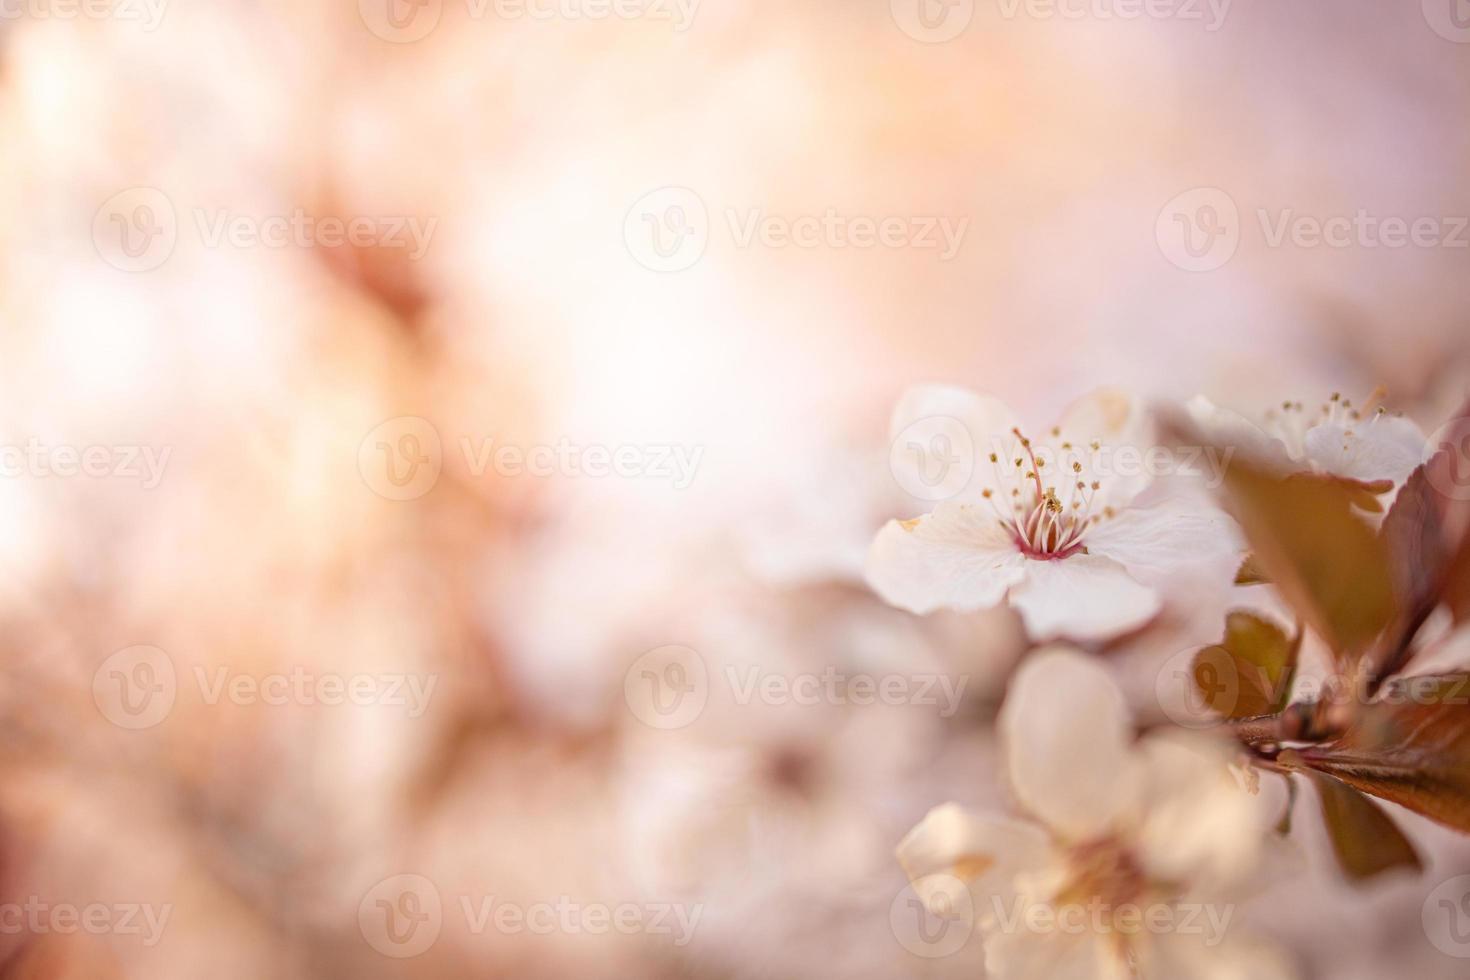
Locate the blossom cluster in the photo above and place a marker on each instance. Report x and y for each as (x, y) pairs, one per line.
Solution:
(1342, 518)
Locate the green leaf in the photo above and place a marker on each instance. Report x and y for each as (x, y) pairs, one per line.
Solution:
(1249, 672)
(1365, 840)
(1326, 561)
(1410, 746)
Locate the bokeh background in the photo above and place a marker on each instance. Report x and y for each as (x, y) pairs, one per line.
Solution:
(1115, 182)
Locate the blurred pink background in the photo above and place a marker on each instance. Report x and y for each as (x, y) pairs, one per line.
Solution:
(563, 296)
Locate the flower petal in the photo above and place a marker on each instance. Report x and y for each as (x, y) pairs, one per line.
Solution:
(984, 418)
(1068, 742)
(953, 847)
(1119, 423)
(1028, 952)
(1201, 954)
(1177, 537)
(1199, 824)
(958, 557)
(1109, 415)
(1084, 597)
(1220, 427)
(1383, 448)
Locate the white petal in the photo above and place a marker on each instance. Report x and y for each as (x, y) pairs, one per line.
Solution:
(1084, 597)
(1051, 953)
(1228, 430)
(1109, 415)
(958, 557)
(1068, 742)
(1203, 955)
(1121, 424)
(983, 416)
(1177, 537)
(1199, 825)
(953, 848)
(1382, 448)
(914, 421)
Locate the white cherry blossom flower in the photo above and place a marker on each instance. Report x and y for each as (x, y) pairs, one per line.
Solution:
(1365, 444)
(1129, 848)
(1060, 527)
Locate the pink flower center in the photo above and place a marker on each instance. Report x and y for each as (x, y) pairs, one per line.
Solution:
(1291, 422)
(1048, 519)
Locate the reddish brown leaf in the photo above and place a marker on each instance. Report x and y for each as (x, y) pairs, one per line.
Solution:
(1448, 475)
(1448, 472)
(1327, 562)
(1457, 585)
(1365, 840)
(1249, 672)
(1250, 572)
(1415, 539)
(1410, 746)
